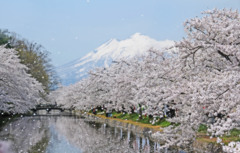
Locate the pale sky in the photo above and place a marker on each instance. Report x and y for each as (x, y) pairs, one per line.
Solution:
(69, 29)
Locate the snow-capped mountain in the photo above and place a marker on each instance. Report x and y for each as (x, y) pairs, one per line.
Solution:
(136, 45)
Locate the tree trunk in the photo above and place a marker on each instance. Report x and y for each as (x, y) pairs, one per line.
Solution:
(140, 111)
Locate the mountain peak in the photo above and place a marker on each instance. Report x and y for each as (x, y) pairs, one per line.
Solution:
(136, 35)
(111, 42)
(135, 45)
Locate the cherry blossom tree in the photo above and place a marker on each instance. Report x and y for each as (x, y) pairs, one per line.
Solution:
(209, 75)
(212, 52)
(19, 92)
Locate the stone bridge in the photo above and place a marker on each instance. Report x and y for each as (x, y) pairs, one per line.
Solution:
(49, 109)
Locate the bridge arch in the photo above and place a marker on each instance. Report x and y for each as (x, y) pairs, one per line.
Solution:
(51, 110)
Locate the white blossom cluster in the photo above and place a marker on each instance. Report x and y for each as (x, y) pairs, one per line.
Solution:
(232, 147)
(201, 81)
(19, 92)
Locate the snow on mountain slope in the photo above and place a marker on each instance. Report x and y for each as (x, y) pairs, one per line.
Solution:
(136, 45)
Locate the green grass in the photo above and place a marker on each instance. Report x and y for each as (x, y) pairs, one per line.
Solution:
(235, 132)
(163, 123)
(125, 116)
(135, 117)
(145, 119)
(232, 136)
(202, 128)
(115, 113)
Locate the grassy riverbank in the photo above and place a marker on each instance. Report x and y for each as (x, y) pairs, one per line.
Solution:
(146, 122)
(145, 119)
(155, 128)
(233, 135)
(133, 118)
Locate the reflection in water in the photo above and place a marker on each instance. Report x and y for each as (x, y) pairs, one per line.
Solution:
(59, 143)
(71, 135)
(25, 134)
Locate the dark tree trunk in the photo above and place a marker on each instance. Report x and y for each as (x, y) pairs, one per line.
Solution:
(140, 111)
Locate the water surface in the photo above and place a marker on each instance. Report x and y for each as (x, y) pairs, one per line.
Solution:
(58, 134)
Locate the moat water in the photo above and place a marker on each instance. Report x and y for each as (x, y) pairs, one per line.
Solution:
(59, 134)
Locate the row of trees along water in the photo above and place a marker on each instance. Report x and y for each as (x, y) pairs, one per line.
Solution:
(199, 77)
(26, 75)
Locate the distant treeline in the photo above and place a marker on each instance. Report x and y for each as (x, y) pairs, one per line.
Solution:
(34, 56)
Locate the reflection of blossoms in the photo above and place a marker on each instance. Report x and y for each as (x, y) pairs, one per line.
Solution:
(94, 137)
(5, 147)
(27, 132)
(91, 137)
